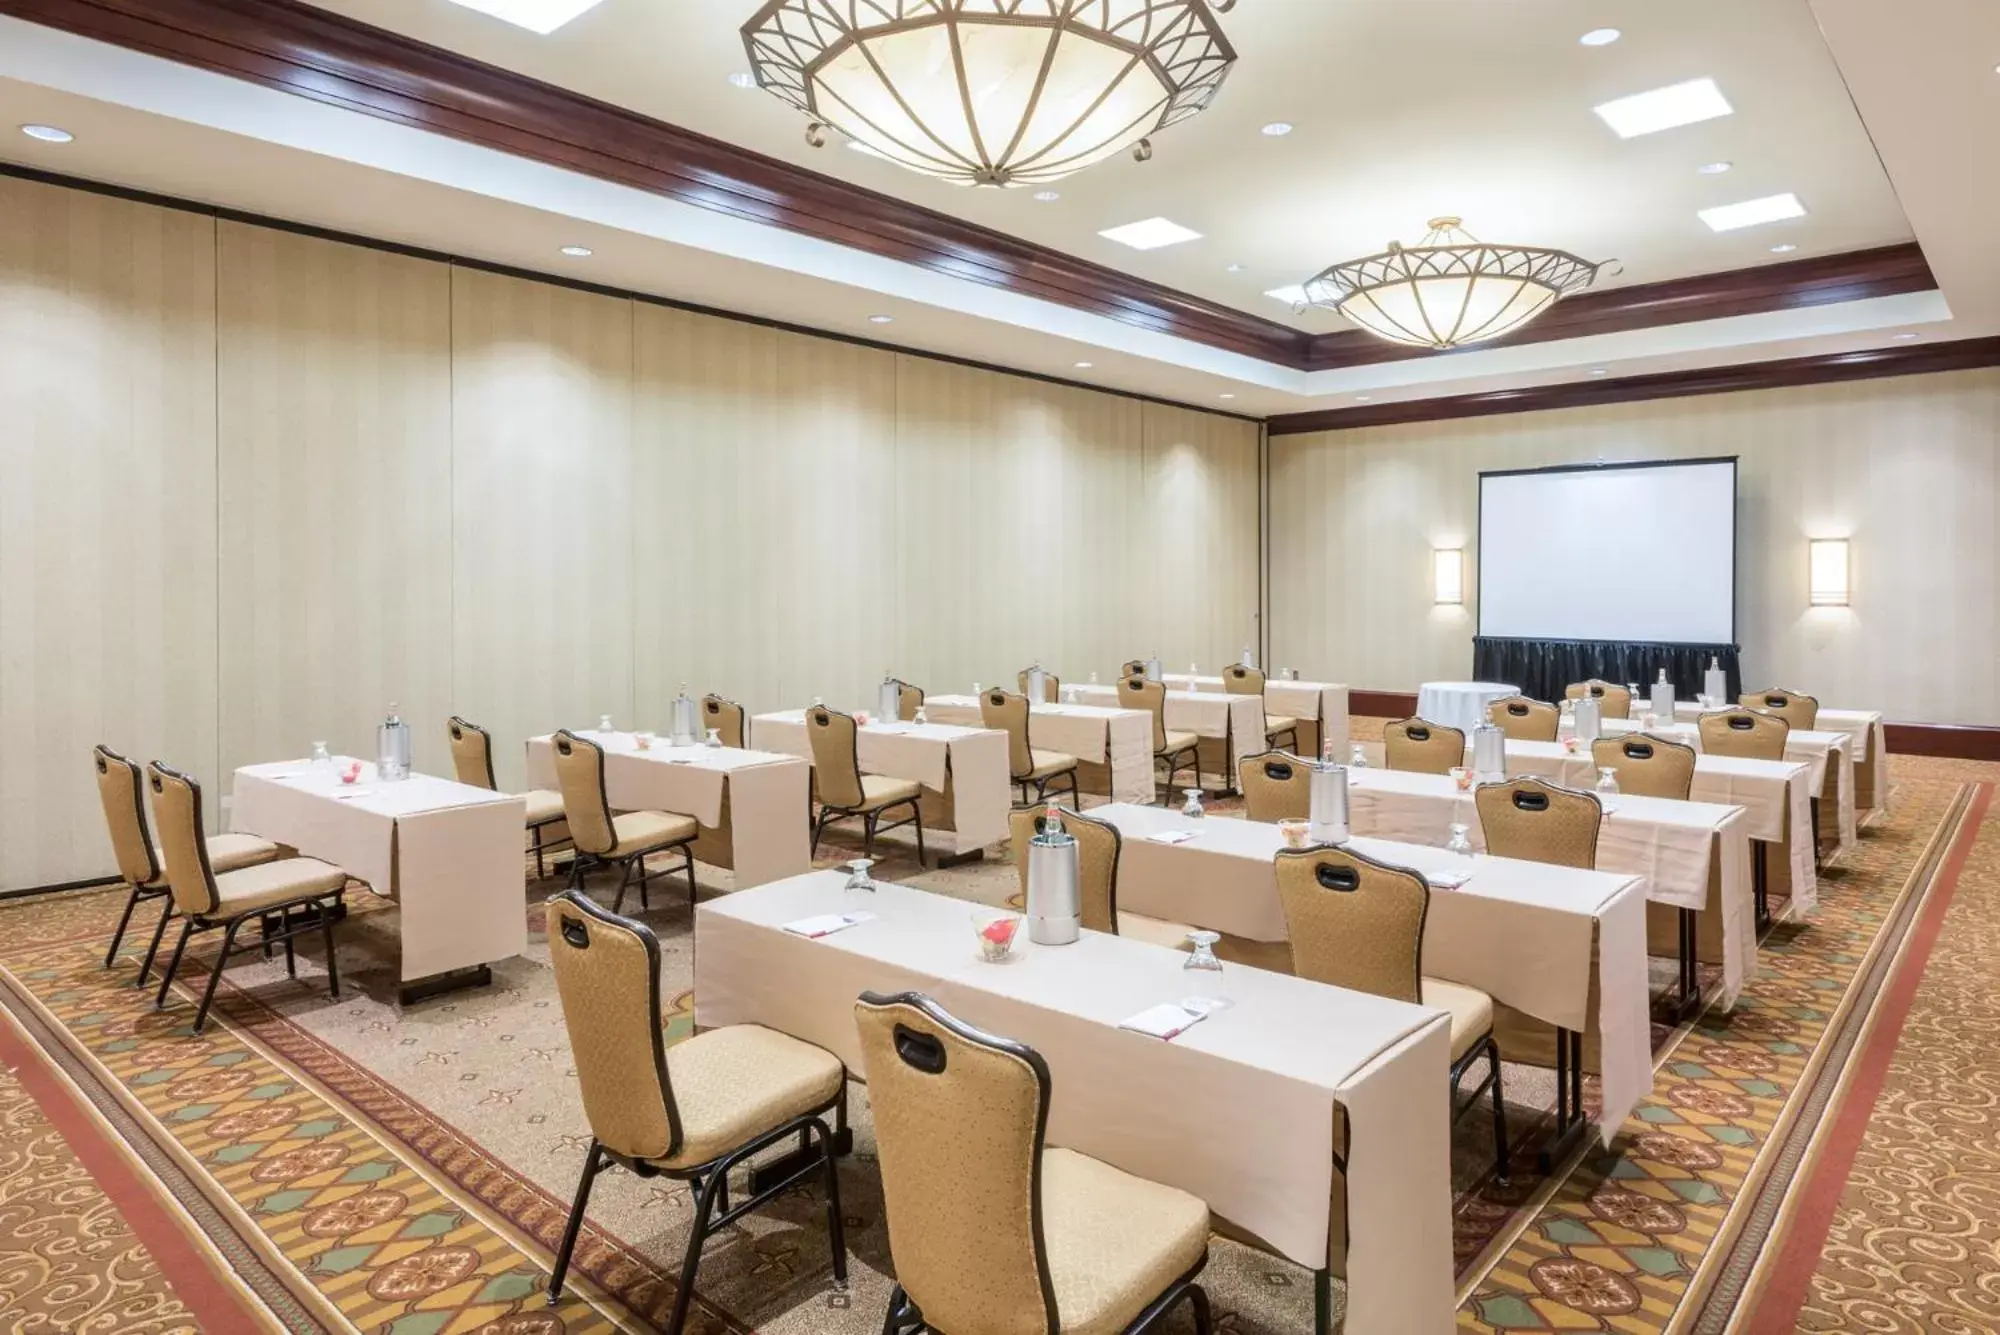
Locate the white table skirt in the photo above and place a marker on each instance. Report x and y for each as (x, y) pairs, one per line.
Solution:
(767, 796)
(1121, 740)
(1238, 1110)
(1869, 752)
(1238, 720)
(1521, 931)
(974, 758)
(450, 855)
(1321, 703)
(1460, 704)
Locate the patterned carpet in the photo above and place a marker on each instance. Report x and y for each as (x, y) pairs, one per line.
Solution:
(320, 1165)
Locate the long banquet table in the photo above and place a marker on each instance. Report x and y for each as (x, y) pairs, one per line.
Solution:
(1113, 747)
(1544, 940)
(754, 808)
(1869, 754)
(449, 854)
(963, 771)
(1230, 727)
(1241, 1109)
(1319, 706)
(1693, 856)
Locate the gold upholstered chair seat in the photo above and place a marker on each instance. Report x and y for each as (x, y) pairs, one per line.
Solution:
(1178, 741)
(734, 1084)
(233, 852)
(1276, 725)
(248, 889)
(1115, 1242)
(1470, 1009)
(543, 806)
(879, 790)
(1047, 763)
(644, 831)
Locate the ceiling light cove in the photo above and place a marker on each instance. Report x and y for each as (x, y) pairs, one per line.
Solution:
(1449, 289)
(1081, 366)
(1600, 37)
(1714, 168)
(742, 79)
(1753, 212)
(48, 134)
(1664, 108)
(1047, 196)
(542, 16)
(881, 319)
(577, 252)
(1276, 129)
(1783, 248)
(1150, 234)
(1010, 94)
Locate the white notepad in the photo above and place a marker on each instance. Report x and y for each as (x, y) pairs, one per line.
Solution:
(826, 924)
(1172, 836)
(1447, 880)
(1167, 1020)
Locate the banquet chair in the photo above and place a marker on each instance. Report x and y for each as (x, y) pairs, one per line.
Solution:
(1534, 820)
(846, 793)
(472, 762)
(725, 718)
(1801, 711)
(1614, 701)
(1132, 667)
(1172, 749)
(1359, 924)
(121, 790)
(209, 900)
(691, 1112)
(1422, 747)
(1746, 734)
(623, 840)
(1051, 686)
(991, 1231)
(909, 699)
(1524, 720)
(1240, 680)
(1276, 786)
(1003, 711)
(1647, 766)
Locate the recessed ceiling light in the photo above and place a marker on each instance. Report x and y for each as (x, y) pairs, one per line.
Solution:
(1047, 196)
(542, 16)
(1150, 234)
(743, 79)
(1783, 248)
(1600, 37)
(577, 252)
(1714, 168)
(1364, 398)
(48, 134)
(1664, 108)
(1904, 337)
(1225, 396)
(1277, 129)
(1081, 366)
(881, 319)
(1294, 295)
(1753, 212)
(1597, 370)
(1232, 268)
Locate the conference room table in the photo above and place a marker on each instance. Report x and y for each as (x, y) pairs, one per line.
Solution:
(1230, 726)
(753, 808)
(1113, 747)
(1869, 754)
(1242, 1109)
(1560, 945)
(451, 856)
(1776, 797)
(1694, 858)
(967, 791)
(1319, 706)
(1827, 754)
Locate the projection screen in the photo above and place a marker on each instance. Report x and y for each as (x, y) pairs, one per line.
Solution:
(1638, 552)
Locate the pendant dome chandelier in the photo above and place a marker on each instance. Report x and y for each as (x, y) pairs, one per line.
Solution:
(992, 92)
(1449, 289)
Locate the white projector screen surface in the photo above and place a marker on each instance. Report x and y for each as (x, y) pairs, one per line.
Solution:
(1624, 552)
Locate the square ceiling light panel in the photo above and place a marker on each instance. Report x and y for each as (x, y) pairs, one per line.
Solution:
(542, 16)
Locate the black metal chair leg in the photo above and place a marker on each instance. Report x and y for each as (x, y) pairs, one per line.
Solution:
(917, 816)
(1198, 1302)
(173, 963)
(704, 1204)
(118, 937)
(540, 870)
(291, 954)
(1501, 1166)
(159, 932)
(693, 890)
(835, 1232)
(332, 963)
(591, 1165)
(215, 974)
(1322, 1302)
(868, 835)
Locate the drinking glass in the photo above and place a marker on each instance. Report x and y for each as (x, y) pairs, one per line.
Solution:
(1193, 806)
(714, 737)
(1357, 758)
(1205, 972)
(1607, 781)
(604, 723)
(1460, 843)
(918, 717)
(857, 875)
(643, 739)
(320, 755)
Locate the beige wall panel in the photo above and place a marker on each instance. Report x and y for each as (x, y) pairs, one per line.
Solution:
(335, 485)
(543, 506)
(1908, 469)
(1198, 587)
(107, 515)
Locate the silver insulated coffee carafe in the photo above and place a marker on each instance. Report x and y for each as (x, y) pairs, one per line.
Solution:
(1055, 905)
(1489, 752)
(1327, 815)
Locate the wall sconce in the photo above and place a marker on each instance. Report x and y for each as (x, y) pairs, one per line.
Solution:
(1827, 570)
(1448, 573)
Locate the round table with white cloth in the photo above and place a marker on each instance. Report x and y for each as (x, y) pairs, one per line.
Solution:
(1459, 704)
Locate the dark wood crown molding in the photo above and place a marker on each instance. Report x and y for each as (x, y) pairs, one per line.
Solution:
(314, 53)
(1914, 359)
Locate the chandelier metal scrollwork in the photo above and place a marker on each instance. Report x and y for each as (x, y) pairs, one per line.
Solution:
(1449, 289)
(992, 92)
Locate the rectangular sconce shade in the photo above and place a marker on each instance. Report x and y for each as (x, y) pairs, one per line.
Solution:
(1448, 570)
(1828, 573)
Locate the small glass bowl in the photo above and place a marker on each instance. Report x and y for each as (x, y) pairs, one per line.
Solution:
(1295, 832)
(1461, 776)
(996, 932)
(643, 740)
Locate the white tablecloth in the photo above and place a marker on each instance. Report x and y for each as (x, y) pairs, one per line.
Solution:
(1118, 741)
(1321, 705)
(450, 855)
(1869, 754)
(1237, 721)
(964, 770)
(1522, 931)
(766, 833)
(1238, 1110)
(1460, 704)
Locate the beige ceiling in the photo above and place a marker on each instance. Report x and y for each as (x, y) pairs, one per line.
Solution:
(1403, 109)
